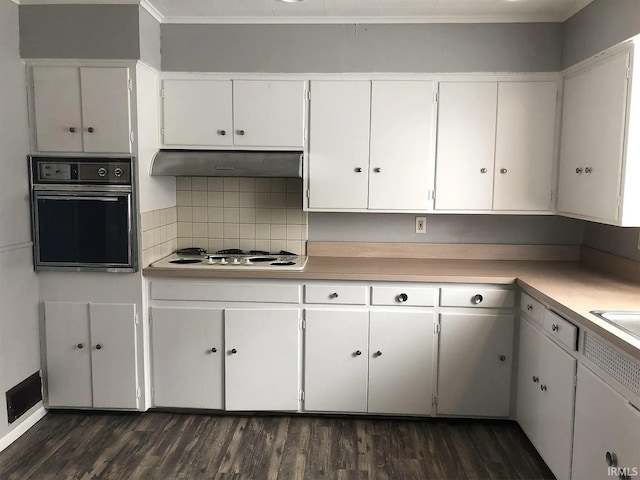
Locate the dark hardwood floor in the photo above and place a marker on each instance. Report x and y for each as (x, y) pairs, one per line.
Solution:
(163, 446)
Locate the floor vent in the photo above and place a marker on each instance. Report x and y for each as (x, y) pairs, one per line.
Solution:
(23, 396)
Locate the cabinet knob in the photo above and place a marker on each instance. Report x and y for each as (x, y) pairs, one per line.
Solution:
(378, 353)
(555, 327)
(503, 170)
(333, 295)
(543, 387)
(377, 169)
(98, 347)
(72, 129)
(357, 353)
(214, 349)
(578, 171)
(234, 351)
(483, 170)
(477, 299)
(588, 170)
(529, 307)
(222, 132)
(90, 130)
(535, 379)
(240, 132)
(611, 458)
(502, 358)
(80, 345)
(403, 297)
(357, 170)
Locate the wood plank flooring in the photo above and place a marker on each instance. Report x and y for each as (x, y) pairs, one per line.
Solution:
(167, 445)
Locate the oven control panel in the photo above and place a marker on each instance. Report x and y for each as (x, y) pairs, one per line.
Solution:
(99, 171)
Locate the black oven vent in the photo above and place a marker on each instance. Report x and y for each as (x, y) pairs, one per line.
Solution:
(23, 396)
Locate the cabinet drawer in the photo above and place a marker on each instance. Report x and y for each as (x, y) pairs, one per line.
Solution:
(225, 292)
(532, 308)
(480, 297)
(561, 329)
(411, 296)
(340, 295)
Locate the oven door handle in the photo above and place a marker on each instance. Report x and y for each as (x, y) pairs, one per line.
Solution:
(74, 197)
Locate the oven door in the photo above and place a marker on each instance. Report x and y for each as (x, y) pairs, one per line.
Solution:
(84, 231)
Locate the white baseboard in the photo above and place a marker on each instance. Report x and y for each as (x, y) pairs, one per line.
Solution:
(26, 424)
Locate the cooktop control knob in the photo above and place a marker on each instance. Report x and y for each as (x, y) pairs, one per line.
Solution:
(102, 172)
(247, 261)
(223, 261)
(118, 172)
(235, 261)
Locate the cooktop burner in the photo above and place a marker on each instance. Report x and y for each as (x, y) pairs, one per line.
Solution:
(183, 261)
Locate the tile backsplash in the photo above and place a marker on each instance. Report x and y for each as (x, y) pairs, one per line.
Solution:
(159, 234)
(236, 212)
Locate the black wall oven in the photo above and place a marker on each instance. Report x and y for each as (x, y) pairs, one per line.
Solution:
(83, 213)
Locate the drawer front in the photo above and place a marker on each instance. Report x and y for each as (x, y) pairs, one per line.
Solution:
(339, 295)
(532, 308)
(477, 297)
(410, 296)
(225, 293)
(561, 329)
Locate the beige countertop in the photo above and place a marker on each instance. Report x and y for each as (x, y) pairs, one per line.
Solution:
(570, 288)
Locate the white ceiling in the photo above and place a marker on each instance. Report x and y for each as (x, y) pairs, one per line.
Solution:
(349, 11)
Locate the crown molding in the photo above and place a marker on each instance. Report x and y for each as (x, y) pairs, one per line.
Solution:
(153, 11)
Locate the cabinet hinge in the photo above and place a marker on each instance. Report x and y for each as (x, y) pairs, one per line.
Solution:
(136, 319)
(301, 395)
(307, 94)
(153, 394)
(436, 327)
(131, 136)
(434, 399)
(138, 392)
(162, 93)
(308, 193)
(130, 84)
(435, 97)
(628, 72)
(303, 324)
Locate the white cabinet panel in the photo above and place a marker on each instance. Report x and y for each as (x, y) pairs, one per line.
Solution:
(113, 355)
(475, 357)
(269, 113)
(401, 145)
(336, 294)
(105, 109)
(529, 406)
(477, 297)
(401, 363)
(525, 132)
(592, 144)
(57, 109)
(261, 359)
(465, 145)
(197, 112)
(187, 351)
(68, 354)
(336, 352)
(401, 295)
(339, 144)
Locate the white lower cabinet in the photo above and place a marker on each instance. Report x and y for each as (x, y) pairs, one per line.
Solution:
(91, 355)
(474, 364)
(361, 361)
(261, 358)
(546, 393)
(607, 431)
(187, 345)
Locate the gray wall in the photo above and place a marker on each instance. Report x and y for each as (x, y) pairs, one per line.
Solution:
(616, 240)
(601, 24)
(507, 229)
(362, 48)
(79, 31)
(149, 39)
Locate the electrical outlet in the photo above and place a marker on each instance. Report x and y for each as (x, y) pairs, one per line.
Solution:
(421, 224)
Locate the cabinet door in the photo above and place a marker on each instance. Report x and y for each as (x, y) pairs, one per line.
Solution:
(400, 363)
(605, 422)
(401, 145)
(197, 112)
(474, 373)
(261, 365)
(105, 109)
(524, 145)
(187, 350)
(335, 363)
(56, 92)
(593, 128)
(466, 145)
(68, 354)
(528, 405)
(113, 355)
(268, 113)
(339, 145)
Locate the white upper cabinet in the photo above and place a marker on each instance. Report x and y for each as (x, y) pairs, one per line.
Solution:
(600, 149)
(84, 109)
(495, 146)
(205, 113)
(370, 145)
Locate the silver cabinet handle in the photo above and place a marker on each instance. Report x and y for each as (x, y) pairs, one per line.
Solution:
(611, 458)
(588, 170)
(535, 379)
(240, 132)
(555, 327)
(377, 169)
(233, 351)
(98, 347)
(214, 349)
(357, 353)
(578, 171)
(477, 299)
(90, 130)
(543, 387)
(222, 132)
(378, 353)
(503, 170)
(333, 295)
(483, 170)
(502, 358)
(403, 297)
(357, 170)
(80, 345)
(529, 307)
(72, 129)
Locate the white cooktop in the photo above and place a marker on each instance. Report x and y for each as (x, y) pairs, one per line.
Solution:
(276, 262)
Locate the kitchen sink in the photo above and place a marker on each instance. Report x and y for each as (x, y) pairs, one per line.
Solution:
(628, 321)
